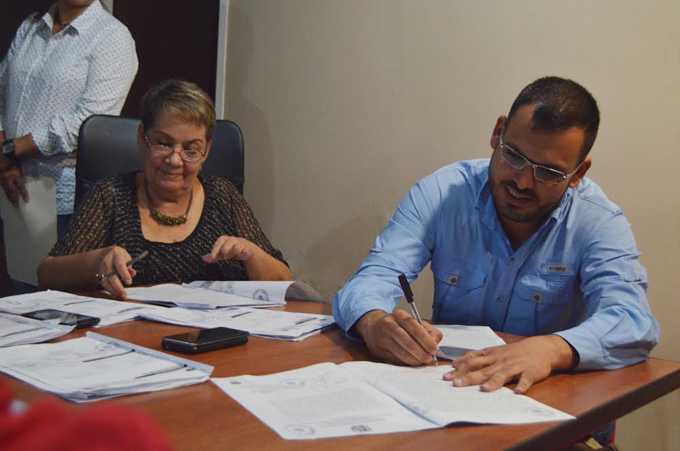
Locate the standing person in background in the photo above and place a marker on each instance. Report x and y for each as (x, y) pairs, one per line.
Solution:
(74, 61)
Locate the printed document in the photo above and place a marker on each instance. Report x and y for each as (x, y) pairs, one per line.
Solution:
(261, 323)
(363, 398)
(97, 367)
(196, 298)
(17, 330)
(458, 340)
(109, 312)
(263, 290)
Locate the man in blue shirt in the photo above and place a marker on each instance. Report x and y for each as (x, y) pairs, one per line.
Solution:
(522, 243)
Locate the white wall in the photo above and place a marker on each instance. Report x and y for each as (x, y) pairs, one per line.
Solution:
(345, 104)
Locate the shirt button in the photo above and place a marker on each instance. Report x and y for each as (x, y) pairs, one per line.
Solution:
(499, 298)
(512, 260)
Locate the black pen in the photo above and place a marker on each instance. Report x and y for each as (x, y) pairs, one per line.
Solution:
(409, 298)
(130, 263)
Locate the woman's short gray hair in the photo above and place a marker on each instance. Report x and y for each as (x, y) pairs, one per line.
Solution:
(179, 98)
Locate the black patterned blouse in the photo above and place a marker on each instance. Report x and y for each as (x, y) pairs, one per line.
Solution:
(109, 216)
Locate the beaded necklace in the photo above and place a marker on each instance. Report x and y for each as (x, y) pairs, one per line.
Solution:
(167, 220)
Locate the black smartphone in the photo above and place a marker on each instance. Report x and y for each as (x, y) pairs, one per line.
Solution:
(65, 318)
(204, 340)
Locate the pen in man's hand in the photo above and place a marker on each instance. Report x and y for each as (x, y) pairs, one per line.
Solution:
(409, 298)
(130, 263)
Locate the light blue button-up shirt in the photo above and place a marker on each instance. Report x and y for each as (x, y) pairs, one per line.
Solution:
(578, 276)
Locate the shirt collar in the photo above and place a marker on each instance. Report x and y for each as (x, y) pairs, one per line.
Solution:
(80, 23)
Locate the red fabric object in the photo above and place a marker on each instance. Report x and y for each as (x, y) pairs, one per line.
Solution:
(50, 425)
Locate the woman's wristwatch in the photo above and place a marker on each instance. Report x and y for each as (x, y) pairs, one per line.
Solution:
(8, 150)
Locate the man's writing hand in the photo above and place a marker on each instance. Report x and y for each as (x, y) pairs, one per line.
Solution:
(397, 337)
(527, 361)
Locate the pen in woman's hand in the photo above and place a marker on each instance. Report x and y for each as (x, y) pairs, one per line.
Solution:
(130, 263)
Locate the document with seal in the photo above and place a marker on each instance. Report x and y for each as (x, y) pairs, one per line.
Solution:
(203, 294)
(96, 367)
(363, 398)
(271, 291)
(262, 323)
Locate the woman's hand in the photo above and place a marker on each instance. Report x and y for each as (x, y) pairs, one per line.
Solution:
(116, 258)
(258, 263)
(227, 247)
(12, 182)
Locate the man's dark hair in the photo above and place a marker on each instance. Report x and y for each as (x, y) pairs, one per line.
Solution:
(560, 104)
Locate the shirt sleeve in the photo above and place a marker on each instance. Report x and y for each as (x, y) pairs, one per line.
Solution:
(620, 329)
(113, 66)
(91, 226)
(17, 41)
(405, 246)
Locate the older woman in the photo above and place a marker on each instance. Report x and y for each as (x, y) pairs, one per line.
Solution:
(194, 227)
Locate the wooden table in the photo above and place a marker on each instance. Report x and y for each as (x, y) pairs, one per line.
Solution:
(203, 417)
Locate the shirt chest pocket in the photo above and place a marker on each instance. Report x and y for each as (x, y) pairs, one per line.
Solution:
(547, 289)
(458, 292)
(544, 303)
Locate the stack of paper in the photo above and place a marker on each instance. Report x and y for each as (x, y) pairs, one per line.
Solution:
(261, 323)
(17, 330)
(360, 398)
(195, 298)
(108, 311)
(97, 367)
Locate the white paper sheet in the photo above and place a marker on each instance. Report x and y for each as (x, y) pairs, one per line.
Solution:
(109, 312)
(30, 231)
(263, 290)
(17, 330)
(422, 390)
(262, 323)
(98, 367)
(320, 401)
(196, 298)
(360, 398)
(458, 340)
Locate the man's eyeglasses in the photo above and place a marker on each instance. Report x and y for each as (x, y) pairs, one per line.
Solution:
(542, 173)
(162, 150)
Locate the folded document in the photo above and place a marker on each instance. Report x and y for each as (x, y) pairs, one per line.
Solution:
(96, 367)
(360, 398)
(194, 298)
(219, 294)
(274, 291)
(262, 323)
(108, 311)
(17, 330)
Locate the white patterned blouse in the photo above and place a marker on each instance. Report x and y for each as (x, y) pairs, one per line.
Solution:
(50, 84)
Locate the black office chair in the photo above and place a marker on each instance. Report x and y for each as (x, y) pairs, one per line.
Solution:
(107, 145)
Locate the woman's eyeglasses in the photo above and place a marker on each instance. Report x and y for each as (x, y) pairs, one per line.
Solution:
(162, 150)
